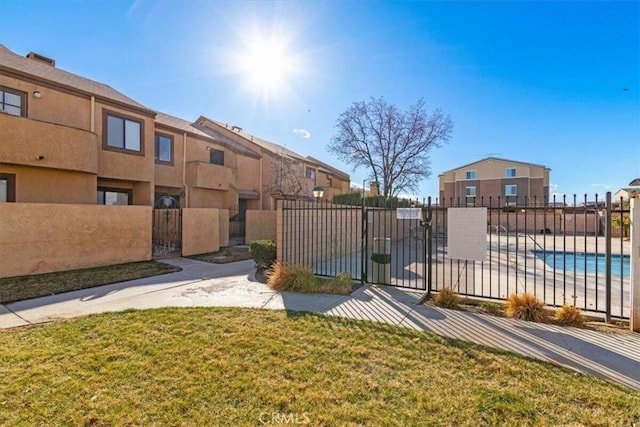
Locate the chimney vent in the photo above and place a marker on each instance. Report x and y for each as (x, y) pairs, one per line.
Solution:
(40, 58)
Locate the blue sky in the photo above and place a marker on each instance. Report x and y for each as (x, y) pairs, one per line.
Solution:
(541, 82)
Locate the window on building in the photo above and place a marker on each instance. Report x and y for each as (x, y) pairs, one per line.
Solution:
(112, 197)
(510, 190)
(164, 149)
(471, 174)
(216, 157)
(123, 133)
(13, 102)
(311, 174)
(510, 172)
(470, 191)
(7, 187)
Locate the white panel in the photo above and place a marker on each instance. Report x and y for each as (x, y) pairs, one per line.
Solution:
(409, 213)
(467, 233)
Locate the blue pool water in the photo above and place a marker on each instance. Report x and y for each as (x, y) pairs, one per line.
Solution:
(592, 261)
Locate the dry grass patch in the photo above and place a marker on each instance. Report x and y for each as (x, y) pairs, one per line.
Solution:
(297, 278)
(447, 298)
(25, 287)
(570, 316)
(230, 366)
(525, 307)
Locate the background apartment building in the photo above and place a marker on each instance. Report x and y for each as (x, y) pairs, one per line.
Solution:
(512, 182)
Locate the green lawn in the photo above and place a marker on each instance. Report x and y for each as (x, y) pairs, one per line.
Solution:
(25, 287)
(240, 367)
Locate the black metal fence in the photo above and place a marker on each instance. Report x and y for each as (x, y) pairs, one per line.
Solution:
(564, 251)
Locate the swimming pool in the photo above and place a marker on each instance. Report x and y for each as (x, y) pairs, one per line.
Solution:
(586, 262)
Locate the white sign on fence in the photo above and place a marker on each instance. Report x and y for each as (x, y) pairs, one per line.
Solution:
(409, 213)
(467, 233)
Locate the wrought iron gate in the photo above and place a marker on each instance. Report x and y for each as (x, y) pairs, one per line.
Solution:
(167, 233)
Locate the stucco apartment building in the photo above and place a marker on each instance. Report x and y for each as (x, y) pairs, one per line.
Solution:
(283, 173)
(68, 139)
(510, 181)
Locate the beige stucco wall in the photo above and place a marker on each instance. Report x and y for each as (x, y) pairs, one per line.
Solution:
(127, 166)
(39, 238)
(55, 105)
(260, 225)
(30, 142)
(171, 175)
(223, 227)
(200, 231)
(43, 185)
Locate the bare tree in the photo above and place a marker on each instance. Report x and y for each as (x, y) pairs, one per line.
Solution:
(287, 179)
(393, 144)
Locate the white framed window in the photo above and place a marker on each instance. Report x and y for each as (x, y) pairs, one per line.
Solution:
(471, 174)
(510, 172)
(510, 190)
(470, 191)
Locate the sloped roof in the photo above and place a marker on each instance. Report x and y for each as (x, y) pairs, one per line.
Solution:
(272, 147)
(48, 73)
(202, 132)
(494, 159)
(328, 168)
(226, 141)
(267, 145)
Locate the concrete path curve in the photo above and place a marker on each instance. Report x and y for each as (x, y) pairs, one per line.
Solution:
(615, 357)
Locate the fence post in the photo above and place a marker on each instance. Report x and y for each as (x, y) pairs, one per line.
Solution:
(634, 315)
(607, 253)
(279, 230)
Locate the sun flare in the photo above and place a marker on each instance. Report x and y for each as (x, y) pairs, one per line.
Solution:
(266, 65)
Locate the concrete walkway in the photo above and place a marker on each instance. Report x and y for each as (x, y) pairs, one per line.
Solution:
(613, 356)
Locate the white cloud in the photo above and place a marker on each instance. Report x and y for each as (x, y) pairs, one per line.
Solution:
(303, 133)
(604, 186)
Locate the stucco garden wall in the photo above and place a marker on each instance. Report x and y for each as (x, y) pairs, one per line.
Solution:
(41, 238)
(260, 225)
(200, 231)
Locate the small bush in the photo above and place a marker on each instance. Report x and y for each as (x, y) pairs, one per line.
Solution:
(341, 284)
(492, 307)
(570, 316)
(525, 307)
(290, 278)
(263, 252)
(447, 298)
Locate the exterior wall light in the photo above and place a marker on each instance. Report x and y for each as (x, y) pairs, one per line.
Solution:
(318, 192)
(37, 94)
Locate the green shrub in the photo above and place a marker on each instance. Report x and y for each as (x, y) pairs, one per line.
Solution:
(263, 252)
(525, 307)
(447, 298)
(492, 307)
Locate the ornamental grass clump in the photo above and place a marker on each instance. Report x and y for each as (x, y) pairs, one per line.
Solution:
(295, 278)
(525, 307)
(447, 298)
(570, 316)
